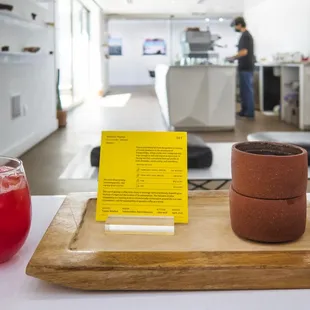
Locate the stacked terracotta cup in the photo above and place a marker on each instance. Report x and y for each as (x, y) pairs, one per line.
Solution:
(268, 201)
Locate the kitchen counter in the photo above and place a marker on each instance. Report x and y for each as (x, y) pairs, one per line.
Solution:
(226, 65)
(279, 64)
(280, 75)
(198, 97)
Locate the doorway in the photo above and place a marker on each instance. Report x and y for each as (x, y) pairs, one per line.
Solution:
(81, 51)
(74, 52)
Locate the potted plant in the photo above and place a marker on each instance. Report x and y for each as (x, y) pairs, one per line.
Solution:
(61, 113)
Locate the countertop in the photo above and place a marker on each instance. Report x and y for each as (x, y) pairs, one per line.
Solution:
(278, 64)
(204, 66)
(20, 292)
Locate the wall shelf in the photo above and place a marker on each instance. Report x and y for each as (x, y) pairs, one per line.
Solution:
(19, 20)
(20, 57)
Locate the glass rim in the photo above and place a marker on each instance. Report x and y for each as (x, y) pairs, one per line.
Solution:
(18, 161)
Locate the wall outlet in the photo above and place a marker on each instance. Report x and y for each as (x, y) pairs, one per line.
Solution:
(16, 107)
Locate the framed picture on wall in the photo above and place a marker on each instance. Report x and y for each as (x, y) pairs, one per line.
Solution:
(154, 47)
(115, 47)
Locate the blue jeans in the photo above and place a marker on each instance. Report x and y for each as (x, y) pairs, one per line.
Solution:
(246, 93)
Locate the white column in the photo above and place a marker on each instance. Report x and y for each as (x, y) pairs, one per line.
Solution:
(104, 36)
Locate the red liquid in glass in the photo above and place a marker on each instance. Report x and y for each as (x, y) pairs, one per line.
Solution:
(15, 214)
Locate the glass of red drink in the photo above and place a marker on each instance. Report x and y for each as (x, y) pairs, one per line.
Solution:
(15, 207)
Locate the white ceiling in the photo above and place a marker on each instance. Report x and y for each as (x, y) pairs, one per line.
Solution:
(177, 8)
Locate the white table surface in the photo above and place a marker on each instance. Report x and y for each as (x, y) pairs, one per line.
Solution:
(20, 292)
(221, 165)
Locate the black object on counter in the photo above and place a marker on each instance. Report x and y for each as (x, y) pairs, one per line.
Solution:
(95, 157)
(152, 73)
(5, 48)
(33, 15)
(199, 155)
(6, 7)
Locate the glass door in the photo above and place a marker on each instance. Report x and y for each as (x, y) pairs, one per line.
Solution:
(81, 49)
(65, 52)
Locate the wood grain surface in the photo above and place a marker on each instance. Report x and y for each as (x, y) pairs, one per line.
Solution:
(203, 255)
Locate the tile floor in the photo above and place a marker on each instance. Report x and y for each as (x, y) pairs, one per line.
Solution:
(126, 108)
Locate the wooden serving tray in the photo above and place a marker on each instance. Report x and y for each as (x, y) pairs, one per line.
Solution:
(203, 255)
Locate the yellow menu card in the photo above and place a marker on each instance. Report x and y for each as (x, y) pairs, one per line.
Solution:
(143, 174)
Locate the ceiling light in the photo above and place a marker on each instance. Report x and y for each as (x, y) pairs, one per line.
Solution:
(221, 19)
(129, 1)
(207, 20)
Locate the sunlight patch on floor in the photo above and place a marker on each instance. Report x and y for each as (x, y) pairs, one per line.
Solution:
(115, 101)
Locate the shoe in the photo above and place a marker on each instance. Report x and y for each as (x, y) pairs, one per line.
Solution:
(240, 114)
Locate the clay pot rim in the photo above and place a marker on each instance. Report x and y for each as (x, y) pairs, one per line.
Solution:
(265, 199)
(302, 151)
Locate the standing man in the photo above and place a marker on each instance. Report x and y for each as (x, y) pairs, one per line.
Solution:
(246, 65)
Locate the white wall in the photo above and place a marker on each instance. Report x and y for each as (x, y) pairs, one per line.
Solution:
(132, 68)
(279, 26)
(104, 43)
(33, 78)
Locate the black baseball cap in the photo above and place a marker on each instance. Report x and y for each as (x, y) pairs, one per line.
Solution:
(238, 20)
